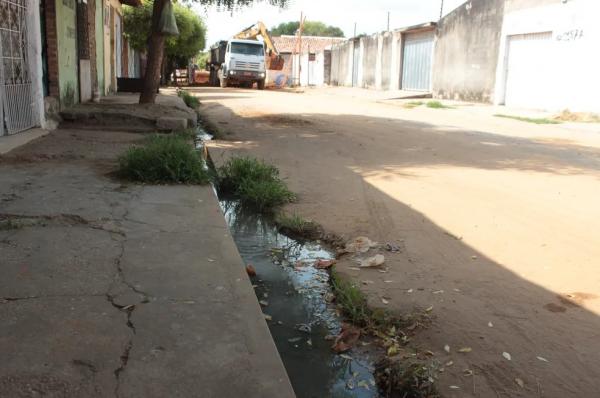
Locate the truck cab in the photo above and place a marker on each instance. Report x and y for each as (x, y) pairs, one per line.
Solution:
(243, 64)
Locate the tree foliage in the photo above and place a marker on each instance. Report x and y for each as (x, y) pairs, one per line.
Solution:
(192, 31)
(311, 28)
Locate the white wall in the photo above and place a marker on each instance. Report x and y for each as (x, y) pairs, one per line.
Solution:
(574, 64)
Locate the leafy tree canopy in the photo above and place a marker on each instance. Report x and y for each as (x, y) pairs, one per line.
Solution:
(311, 28)
(192, 31)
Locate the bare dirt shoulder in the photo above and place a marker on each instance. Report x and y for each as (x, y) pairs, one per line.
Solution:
(493, 228)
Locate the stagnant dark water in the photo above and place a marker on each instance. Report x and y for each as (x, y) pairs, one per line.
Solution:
(294, 293)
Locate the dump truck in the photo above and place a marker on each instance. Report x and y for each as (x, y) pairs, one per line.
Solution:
(243, 60)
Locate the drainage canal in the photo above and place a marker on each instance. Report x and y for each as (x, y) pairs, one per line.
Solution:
(296, 297)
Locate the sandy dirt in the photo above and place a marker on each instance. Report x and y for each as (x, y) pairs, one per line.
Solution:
(497, 222)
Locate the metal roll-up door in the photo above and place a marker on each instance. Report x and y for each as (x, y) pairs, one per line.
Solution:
(528, 70)
(417, 61)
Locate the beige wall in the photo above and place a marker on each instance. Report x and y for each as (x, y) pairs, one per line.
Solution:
(111, 8)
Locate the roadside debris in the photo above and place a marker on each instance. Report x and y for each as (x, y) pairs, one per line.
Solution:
(250, 270)
(392, 247)
(324, 264)
(374, 261)
(346, 339)
(360, 244)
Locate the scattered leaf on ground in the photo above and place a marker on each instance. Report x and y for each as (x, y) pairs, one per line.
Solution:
(360, 244)
(295, 339)
(465, 349)
(384, 301)
(447, 348)
(268, 317)
(454, 387)
(263, 303)
(345, 356)
(506, 355)
(520, 382)
(449, 363)
(490, 324)
(363, 384)
(393, 350)
(467, 372)
(429, 309)
(543, 359)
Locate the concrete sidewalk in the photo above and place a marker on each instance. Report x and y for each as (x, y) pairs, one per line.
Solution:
(111, 289)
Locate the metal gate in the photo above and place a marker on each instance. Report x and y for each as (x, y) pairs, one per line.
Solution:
(528, 71)
(417, 61)
(17, 105)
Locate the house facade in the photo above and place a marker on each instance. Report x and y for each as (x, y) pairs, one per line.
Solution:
(56, 53)
(539, 54)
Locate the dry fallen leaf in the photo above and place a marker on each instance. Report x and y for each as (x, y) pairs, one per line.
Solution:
(393, 350)
(345, 356)
(384, 301)
(543, 359)
(447, 348)
(490, 324)
(465, 349)
(429, 309)
(449, 363)
(268, 317)
(363, 384)
(520, 382)
(467, 372)
(409, 291)
(346, 339)
(506, 355)
(454, 387)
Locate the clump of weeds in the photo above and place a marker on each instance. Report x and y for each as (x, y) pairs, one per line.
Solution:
(412, 104)
(190, 100)
(9, 224)
(437, 105)
(254, 183)
(295, 226)
(164, 159)
(534, 120)
(408, 378)
(186, 134)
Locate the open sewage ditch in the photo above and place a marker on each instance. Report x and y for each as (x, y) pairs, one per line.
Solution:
(296, 298)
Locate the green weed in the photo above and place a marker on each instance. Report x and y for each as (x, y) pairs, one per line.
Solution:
(530, 119)
(190, 100)
(8, 224)
(407, 378)
(412, 104)
(295, 226)
(255, 183)
(437, 105)
(163, 159)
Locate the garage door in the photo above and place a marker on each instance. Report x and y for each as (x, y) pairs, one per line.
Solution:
(417, 61)
(528, 70)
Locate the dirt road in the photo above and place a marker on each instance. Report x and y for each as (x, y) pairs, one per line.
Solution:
(497, 221)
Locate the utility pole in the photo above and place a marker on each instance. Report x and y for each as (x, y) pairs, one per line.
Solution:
(388, 25)
(354, 29)
(442, 9)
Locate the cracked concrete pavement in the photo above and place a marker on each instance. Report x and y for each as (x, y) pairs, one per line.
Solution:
(119, 290)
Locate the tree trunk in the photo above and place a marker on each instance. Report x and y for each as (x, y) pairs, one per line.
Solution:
(156, 47)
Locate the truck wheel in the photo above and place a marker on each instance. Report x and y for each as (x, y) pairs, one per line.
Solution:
(260, 84)
(223, 82)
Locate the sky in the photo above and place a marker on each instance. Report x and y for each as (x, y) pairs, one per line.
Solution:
(370, 16)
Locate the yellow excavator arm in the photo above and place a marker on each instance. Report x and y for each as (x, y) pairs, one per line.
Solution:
(274, 60)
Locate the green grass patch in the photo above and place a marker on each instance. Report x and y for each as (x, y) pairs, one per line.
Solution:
(530, 119)
(254, 183)
(412, 104)
(437, 105)
(9, 224)
(294, 225)
(187, 134)
(190, 100)
(163, 159)
(407, 378)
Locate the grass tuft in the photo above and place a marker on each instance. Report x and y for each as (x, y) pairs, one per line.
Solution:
(167, 159)
(8, 225)
(255, 183)
(295, 226)
(408, 378)
(437, 105)
(530, 119)
(190, 100)
(412, 104)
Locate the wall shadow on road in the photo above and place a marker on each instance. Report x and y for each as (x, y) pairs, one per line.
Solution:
(528, 320)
